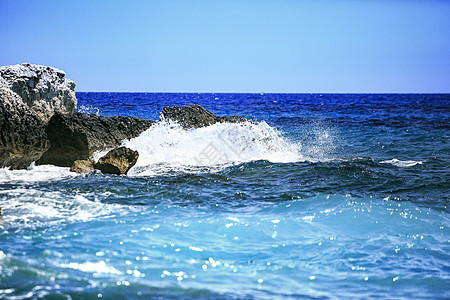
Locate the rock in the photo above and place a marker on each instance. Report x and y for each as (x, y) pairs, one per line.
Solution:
(29, 96)
(82, 166)
(22, 133)
(117, 161)
(195, 116)
(45, 90)
(38, 120)
(78, 136)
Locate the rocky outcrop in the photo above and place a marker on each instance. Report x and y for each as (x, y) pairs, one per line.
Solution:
(45, 90)
(38, 122)
(22, 132)
(117, 161)
(195, 116)
(78, 136)
(82, 166)
(29, 96)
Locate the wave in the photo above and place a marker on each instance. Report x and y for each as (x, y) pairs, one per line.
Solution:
(35, 174)
(30, 208)
(89, 109)
(401, 163)
(166, 147)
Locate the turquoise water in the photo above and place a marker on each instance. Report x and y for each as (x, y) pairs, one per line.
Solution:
(323, 196)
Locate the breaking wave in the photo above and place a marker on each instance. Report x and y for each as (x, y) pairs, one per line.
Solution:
(35, 174)
(167, 146)
(401, 163)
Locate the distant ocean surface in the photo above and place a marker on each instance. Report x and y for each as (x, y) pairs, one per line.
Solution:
(321, 196)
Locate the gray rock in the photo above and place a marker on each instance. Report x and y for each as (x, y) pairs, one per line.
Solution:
(117, 161)
(78, 136)
(45, 90)
(22, 133)
(29, 96)
(195, 116)
(82, 166)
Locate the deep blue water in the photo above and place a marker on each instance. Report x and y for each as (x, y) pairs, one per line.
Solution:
(322, 196)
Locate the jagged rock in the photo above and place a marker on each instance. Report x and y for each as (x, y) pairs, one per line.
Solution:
(29, 96)
(195, 116)
(78, 136)
(82, 166)
(117, 161)
(22, 132)
(45, 90)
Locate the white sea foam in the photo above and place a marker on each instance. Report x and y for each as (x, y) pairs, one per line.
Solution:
(35, 174)
(401, 163)
(167, 146)
(31, 207)
(89, 109)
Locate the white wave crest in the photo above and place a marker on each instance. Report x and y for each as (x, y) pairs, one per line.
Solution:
(35, 174)
(89, 109)
(30, 207)
(167, 146)
(401, 163)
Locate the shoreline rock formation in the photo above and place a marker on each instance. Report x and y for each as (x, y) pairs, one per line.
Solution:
(195, 116)
(45, 90)
(117, 161)
(29, 96)
(82, 166)
(39, 123)
(78, 136)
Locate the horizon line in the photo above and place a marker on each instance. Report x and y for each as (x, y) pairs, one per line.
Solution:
(264, 93)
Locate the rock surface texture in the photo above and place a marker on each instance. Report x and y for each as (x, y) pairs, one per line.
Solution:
(22, 132)
(78, 136)
(195, 116)
(29, 96)
(45, 90)
(117, 161)
(82, 166)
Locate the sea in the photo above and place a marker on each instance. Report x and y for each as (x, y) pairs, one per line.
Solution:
(317, 196)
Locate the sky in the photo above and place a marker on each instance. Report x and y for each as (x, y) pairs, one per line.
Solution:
(316, 46)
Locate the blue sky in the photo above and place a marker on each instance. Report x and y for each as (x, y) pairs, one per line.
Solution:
(234, 46)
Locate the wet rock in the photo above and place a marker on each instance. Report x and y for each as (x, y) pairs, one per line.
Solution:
(82, 166)
(195, 116)
(117, 161)
(44, 90)
(78, 136)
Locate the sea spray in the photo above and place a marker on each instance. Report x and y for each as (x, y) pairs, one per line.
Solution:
(363, 219)
(167, 147)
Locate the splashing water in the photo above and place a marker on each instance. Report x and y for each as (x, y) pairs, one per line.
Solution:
(166, 147)
(89, 109)
(348, 199)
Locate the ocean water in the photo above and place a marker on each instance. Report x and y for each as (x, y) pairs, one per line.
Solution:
(320, 196)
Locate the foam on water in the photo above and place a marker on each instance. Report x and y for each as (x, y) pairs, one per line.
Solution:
(166, 146)
(32, 207)
(401, 163)
(295, 244)
(35, 174)
(89, 109)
